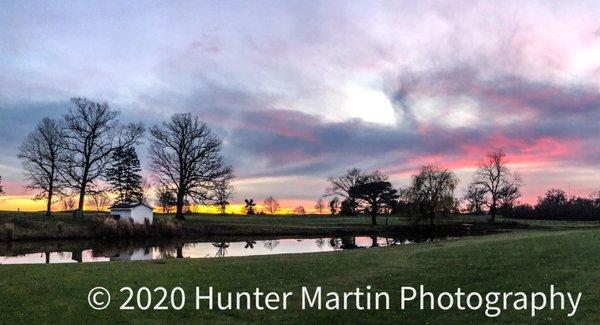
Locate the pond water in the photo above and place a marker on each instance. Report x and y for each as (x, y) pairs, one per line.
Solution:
(69, 252)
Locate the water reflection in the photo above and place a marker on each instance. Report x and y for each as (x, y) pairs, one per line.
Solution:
(221, 249)
(94, 251)
(271, 244)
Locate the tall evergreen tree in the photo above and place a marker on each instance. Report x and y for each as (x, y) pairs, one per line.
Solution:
(123, 175)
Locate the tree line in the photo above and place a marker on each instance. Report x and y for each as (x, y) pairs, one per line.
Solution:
(88, 152)
(557, 205)
(429, 195)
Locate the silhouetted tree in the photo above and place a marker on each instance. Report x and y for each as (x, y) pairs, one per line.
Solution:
(40, 154)
(249, 207)
(92, 134)
(1, 189)
(475, 198)
(334, 205)
(346, 208)
(375, 192)
(123, 175)
(341, 186)
(299, 210)
(595, 197)
(552, 204)
(223, 192)
(166, 199)
(99, 200)
(495, 178)
(271, 205)
(185, 158)
(319, 206)
(510, 192)
(432, 191)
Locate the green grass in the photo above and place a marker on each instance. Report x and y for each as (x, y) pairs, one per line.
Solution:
(519, 261)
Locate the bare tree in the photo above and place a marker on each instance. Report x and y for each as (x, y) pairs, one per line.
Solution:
(223, 191)
(510, 192)
(320, 206)
(92, 134)
(341, 186)
(475, 198)
(494, 176)
(249, 207)
(99, 200)
(185, 158)
(299, 210)
(40, 154)
(432, 191)
(271, 205)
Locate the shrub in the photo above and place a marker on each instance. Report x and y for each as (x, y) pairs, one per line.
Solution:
(105, 227)
(168, 227)
(125, 227)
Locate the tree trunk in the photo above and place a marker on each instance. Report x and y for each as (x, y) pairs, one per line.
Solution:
(49, 203)
(431, 221)
(493, 212)
(179, 251)
(84, 180)
(179, 213)
(374, 241)
(81, 201)
(373, 217)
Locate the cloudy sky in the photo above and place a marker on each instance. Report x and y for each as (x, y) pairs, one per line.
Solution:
(303, 90)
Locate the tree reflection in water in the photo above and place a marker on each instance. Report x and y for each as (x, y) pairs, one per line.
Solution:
(222, 249)
(348, 242)
(320, 242)
(374, 242)
(165, 252)
(271, 244)
(250, 244)
(335, 243)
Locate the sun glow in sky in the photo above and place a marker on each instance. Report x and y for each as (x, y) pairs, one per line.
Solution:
(301, 91)
(369, 105)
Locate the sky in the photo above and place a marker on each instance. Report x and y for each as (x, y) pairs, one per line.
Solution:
(301, 90)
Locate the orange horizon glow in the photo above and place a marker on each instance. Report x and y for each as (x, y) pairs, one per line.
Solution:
(25, 203)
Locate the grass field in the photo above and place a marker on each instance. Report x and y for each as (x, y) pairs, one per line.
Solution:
(522, 260)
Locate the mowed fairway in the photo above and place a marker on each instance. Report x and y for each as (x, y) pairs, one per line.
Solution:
(519, 261)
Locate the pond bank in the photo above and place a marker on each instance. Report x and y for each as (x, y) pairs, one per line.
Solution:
(32, 227)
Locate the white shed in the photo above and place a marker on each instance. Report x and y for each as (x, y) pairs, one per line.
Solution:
(136, 211)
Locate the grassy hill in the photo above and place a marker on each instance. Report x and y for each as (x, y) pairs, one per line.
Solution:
(522, 260)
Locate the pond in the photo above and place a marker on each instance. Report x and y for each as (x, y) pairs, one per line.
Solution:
(97, 251)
